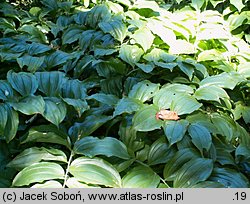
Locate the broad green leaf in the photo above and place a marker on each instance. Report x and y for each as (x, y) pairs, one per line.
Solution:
(38, 172)
(224, 157)
(6, 91)
(175, 130)
(224, 80)
(140, 177)
(242, 111)
(32, 63)
(178, 160)
(47, 134)
(95, 171)
(37, 48)
(159, 152)
(230, 178)
(48, 184)
(127, 105)
(194, 171)
(130, 54)
(88, 126)
(3, 119)
(157, 54)
(144, 38)
(55, 110)
(35, 34)
(72, 34)
(11, 124)
(184, 104)
(108, 146)
(207, 184)
(24, 83)
(210, 93)
(99, 52)
(108, 99)
(114, 27)
(56, 58)
(182, 47)
(30, 105)
(164, 97)
(145, 120)
(166, 65)
(50, 82)
(197, 4)
(238, 4)
(143, 90)
(242, 153)
(212, 54)
(79, 105)
(200, 135)
(186, 68)
(34, 155)
(146, 67)
(74, 183)
(112, 86)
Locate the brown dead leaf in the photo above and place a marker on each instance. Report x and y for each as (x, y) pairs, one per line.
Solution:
(167, 115)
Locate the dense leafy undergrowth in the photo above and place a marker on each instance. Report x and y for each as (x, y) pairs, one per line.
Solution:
(83, 85)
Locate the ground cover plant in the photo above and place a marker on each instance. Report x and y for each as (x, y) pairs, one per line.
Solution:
(125, 93)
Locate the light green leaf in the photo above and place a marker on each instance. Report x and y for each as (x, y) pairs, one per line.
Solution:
(48, 184)
(127, 105)
(182, 47)
(194, 171)
(34, 155)
(80, 105)
(95, 171)
(178, 160)
(164, 97)
(143, 90)
(6, 91)
(146, 67)
(3, 118)
(167, 65)
(140, 177)
(108, 99)
(186, 68)
(212, 54)
(47, 134)
(24, 83)
(11, 124)
(30, 105)
(175, 130)
(238, 4)
(33, 63)
(50, 82)
(74, 183)
(112, 86)
(143, 37)
(72, 34)
(230, 178)
(157, 54)
(200, 135)
(55, 110)
(130, 54)
(145, 120)
(114, 27)
(159, 152)
(242, 111)
(184, 104)
(210, 93)
(108, 146)
(38, 172)
(197, 4)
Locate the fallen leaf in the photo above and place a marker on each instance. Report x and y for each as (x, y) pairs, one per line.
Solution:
(167, 115)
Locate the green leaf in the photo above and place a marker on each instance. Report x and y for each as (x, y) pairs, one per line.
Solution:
(147, 68)
(157, 54)
(112, 86)
(114, 27)
(200, 135)
(6, 91)
(197, 4)
(144, 38)
(207, 184)
(30, 105)
(108, 146)
(184, 104)
(182, 47)
(37, 48)
(130, 54)
(108, 99)
(11, 124)
(74, 183)
(224, 80)
(32, 63)
(47, 134)
(210, 93)
(140, 177)
(242, 111)
(38, 172)
(72, 34)
(50, 82)
(143, 90)
(194, 171)
(187, 68)
(238, 4)
(145, 120)
(56, 58)
(80, 105)
(164, 97)
(48, 184)
(24, 83)
(95, 171)
(178, 160)
(175, 130)
(55, 110)
(230, 178)
(127, 105)
(34, 155)
(3, 118)
(159, 152)
(90, 124)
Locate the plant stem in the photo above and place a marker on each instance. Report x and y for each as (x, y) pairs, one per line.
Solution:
(67, 170)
